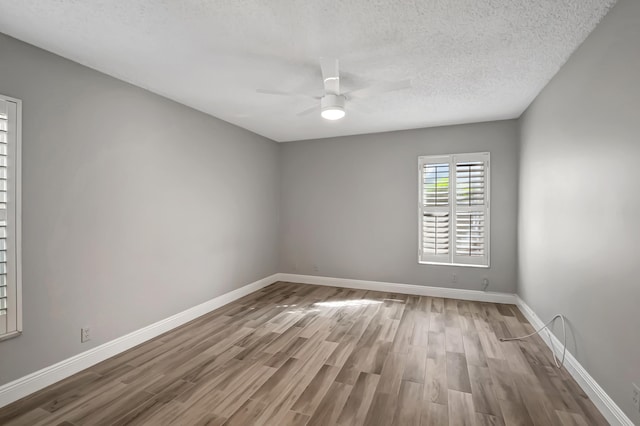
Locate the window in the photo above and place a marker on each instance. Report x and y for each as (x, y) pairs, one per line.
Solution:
(453, 209)
(10, 288)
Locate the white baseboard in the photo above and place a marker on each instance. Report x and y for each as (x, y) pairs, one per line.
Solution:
(33, 382)
(419, 290)
(598, 396)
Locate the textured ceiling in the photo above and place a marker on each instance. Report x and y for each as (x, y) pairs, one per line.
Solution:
(469, 60)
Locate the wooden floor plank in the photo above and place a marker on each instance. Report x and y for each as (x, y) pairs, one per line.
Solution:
(295, 354)
(316, 390)
(294, 419)
(434, 414)
(359, 401)
(458, 372)
(415, 367)
(409, 409)
(461, 409)
(331, 405)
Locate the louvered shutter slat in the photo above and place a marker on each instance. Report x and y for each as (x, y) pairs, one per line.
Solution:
(435, 233)
(4, 127)
(470, 233)
(9, 212)
(435, 184)
(470, 183)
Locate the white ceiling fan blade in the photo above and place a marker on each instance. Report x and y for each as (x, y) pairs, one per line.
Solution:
(360, 107)
(330, 75)
(283, 93)
(308, 111)
(379, 88)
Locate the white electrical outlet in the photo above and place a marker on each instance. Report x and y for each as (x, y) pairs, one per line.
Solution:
(636, 396)
(85, 334)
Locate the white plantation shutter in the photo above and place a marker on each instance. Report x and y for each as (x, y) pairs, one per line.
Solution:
(434, 210)
(10, 318)
(454, 209)
(471, 209)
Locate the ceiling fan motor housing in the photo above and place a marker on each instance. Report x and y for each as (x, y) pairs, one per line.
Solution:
(332, 102)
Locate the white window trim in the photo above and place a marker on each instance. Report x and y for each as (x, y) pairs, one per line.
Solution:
(451, 259)
(17, 228)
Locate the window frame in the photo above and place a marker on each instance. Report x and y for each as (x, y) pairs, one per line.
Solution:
(451, 259)
(14, 197)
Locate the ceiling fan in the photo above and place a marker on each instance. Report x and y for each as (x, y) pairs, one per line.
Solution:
(332, 103)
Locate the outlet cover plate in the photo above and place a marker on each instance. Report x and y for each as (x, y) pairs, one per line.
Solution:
(85, 334)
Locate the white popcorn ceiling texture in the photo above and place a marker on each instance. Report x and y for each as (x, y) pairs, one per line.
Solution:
(469, 60)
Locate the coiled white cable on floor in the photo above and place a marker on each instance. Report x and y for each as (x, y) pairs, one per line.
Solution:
(546, 326)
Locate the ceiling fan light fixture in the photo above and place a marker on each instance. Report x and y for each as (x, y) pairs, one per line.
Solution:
(332, 107)
(333, 113)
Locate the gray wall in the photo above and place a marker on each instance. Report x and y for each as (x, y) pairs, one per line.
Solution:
(134, 207)
(350, 205)
(579, 234)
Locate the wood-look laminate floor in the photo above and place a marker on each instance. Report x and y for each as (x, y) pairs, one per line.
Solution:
(294, 354)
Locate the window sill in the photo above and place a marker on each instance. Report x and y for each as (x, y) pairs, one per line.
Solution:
(453, 264)
(10, 335)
